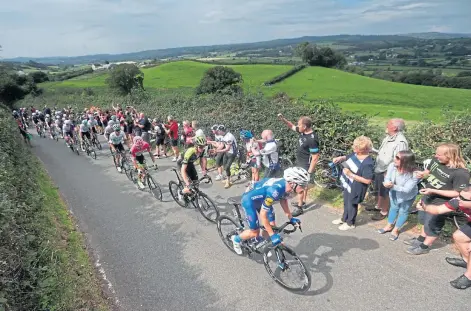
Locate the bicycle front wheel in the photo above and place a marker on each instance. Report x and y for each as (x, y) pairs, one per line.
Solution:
(227, 227)
(287, 269)
(176, 192)
(93, 154)
(206, 206)
(154, 188)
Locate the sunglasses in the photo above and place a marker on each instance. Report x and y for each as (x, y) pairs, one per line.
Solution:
(398, 158)
(464, 199)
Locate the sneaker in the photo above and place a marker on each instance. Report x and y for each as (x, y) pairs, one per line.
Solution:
(337, 221)
(119, 169)
(236, 244)
(345, 227)
(379, 217)
(218, 177)
(228, 184)
(417, 250)
(458, 262)
(174, 159)
(374, 208)
(412, 242)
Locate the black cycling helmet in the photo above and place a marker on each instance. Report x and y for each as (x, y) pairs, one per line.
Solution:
(215, 127)
(221, 128)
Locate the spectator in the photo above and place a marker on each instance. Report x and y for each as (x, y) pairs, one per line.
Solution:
(269, 154)
(394, 142)
(444, 177)
(216, 145)
(307, 154)
(356, 176)
(252, 147)
(196, 129)
(188, 134)
(229, 152)
(172, 128)
(159, 138)
(402, 185)
(145, 126)
(462, 236)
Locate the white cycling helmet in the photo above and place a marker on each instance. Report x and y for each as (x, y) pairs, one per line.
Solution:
(47, 116)
(111, 123)
(297, 175)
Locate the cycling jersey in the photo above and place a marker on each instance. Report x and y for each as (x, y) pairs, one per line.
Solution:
(136, 151)
(263, 195)
(116, 139)
(67, 127)
(191, 155)
(92, 123)
(84, 128)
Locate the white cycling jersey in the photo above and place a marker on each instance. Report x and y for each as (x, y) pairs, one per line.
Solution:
(116, 139)
(84, 128)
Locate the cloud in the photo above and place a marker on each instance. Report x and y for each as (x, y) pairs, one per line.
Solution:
(76, 27)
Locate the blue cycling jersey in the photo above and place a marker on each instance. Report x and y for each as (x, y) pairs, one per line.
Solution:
(264, 194)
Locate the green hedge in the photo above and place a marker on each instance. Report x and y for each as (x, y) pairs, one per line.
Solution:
(43, 265)
(285, 75)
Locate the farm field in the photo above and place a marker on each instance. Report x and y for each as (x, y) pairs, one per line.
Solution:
(184, 74)
(352, 92)
(447, 71)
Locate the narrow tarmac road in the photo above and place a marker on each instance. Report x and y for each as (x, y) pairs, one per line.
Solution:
(159, 256)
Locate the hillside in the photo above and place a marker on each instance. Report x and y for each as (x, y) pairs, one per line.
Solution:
(353, 92)
(184, 74)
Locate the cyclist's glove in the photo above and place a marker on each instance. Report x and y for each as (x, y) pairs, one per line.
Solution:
(294, 221)
(276, 239)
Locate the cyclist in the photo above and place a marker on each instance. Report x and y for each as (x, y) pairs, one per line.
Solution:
(260, 199)
(109, 130)
(58, 124)
(137, 152)
(116, 143)
(84, 132)
(68, 131)
(192, 154)
(36, 120)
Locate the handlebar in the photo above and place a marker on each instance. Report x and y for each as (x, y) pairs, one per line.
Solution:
(287, 231)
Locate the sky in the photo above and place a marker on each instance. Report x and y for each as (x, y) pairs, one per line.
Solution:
(40, 28)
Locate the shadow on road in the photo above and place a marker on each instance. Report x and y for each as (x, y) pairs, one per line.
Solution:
(319, 252)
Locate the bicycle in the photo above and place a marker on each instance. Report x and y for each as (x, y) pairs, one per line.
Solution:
(264, 248)
(125, 163)
(96, 142)
(196, 197)
(72, 144)
(54, 134)
(88, 148)
(146, 179)
(40, 130)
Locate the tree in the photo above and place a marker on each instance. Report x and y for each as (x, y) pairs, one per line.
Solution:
(125, 77)
(323, 56)
(14, 87)
(39, 76)
(220, 79)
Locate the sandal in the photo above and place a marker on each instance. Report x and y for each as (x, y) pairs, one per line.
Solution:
(461, 283)
(382, 231)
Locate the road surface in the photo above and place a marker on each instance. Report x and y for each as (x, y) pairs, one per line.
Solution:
(159, 256)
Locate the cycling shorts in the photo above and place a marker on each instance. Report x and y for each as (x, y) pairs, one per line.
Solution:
(251, 209)
(140, 159)
(119, 147)
(86, 134)
(68, 133)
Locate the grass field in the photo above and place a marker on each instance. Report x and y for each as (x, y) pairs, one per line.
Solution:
(352, 92)
(184, 74)
(447, 71)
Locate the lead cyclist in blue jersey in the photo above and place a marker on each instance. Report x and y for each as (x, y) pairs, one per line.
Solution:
(260, 200)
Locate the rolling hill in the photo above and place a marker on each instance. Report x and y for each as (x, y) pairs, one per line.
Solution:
(352, 92)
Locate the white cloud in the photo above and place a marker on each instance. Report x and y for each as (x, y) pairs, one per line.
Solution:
(78, 27)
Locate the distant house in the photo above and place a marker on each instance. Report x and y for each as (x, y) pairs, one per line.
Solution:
(110, 65)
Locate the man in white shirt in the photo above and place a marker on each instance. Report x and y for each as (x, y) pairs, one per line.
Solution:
(230, 152)
(270, 155)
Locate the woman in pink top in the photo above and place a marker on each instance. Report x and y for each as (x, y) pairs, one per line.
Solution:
(188, 133)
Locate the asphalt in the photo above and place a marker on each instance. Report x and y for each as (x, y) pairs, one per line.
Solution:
(159, 256)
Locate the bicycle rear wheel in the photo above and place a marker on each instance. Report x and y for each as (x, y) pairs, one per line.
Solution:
(285, 163)
(176, 190)
(92, 153)
(227, 227)
(154, 188)
(323, 176)
(285, 262)
(206, 206)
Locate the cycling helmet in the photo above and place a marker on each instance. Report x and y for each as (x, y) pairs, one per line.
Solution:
(58, 117)
(214, 127)
(297, 175)
(221, 128)
(138, 141)
(84, 122)
(113, 118)
(244, 134)
(111, 123)
(200, 141)
(116, 127)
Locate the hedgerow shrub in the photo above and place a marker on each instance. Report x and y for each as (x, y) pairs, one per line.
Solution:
(285, 75)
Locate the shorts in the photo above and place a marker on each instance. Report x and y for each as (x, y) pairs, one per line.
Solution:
(174, 142)
(119, 147)
(191, 172)
(251, 209)
(129, 129)
(86, 134)
(466, 229)
(160, 141)
(140, 159)
(379, 188)
(255, 163)
(94, 130)
(68, 133)
(146, 137)
(433, 224)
